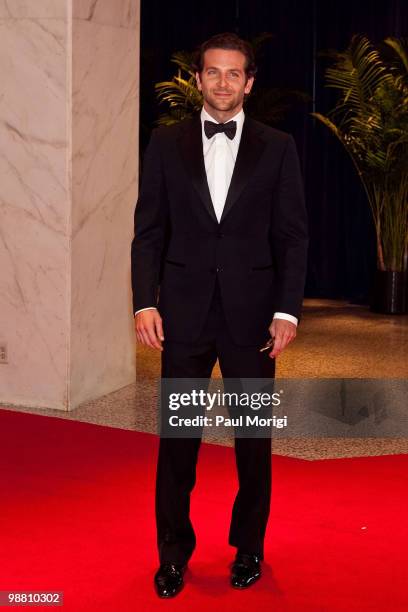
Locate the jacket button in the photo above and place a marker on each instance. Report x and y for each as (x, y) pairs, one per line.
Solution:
(221, 235)
(219, 269)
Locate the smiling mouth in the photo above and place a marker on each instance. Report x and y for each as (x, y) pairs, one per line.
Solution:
(222, 94)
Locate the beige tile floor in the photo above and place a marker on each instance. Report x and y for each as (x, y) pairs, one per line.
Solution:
(335, 340)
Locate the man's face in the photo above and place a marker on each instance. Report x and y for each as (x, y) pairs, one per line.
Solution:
(223, 81)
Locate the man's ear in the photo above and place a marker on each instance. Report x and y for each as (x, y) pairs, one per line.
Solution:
(248, 85)
(197, 76)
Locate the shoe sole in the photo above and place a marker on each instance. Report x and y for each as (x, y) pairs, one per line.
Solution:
(242, 588)
(170, 596)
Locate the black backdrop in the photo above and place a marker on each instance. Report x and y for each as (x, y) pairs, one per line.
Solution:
(342, 243)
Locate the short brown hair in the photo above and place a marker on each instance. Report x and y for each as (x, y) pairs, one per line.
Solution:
(229, 41)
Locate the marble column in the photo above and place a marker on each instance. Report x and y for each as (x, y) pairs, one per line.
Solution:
(69, 81)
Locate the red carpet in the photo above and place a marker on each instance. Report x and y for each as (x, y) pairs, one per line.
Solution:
(76, 515)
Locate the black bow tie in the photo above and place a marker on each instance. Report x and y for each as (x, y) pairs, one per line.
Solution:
(229, 129)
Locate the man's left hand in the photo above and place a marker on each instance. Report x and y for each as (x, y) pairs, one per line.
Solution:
(284, 332)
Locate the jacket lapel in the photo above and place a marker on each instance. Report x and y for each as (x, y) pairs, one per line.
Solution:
(191, 147)
(249, 152)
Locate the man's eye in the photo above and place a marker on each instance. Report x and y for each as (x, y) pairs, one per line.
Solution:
(234, 75)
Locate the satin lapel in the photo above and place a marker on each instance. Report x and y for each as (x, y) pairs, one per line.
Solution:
(191, 148)
(249, 152)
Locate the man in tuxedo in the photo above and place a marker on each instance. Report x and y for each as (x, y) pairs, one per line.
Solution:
(218, 268)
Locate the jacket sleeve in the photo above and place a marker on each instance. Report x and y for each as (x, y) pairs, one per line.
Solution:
(150, 224)
(289, 234)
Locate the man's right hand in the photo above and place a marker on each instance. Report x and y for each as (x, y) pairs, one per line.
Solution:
(149, 328)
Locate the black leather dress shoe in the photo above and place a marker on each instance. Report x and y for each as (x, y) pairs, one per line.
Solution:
(245, 570)
(169, 579)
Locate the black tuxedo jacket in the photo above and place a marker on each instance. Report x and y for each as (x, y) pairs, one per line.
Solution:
(258, 250)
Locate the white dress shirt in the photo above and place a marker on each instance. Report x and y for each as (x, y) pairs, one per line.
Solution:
(220, 153)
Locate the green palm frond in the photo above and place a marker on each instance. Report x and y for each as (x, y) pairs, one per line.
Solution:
(179, 92)
(173, 116)
(327, 122)
(356, 74)
(184, 61)
(400, 47)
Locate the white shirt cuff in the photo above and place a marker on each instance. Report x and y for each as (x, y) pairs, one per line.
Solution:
(277, 315)
(287, 317)
(148, 308)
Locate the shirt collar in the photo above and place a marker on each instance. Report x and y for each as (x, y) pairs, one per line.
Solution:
(239, 118)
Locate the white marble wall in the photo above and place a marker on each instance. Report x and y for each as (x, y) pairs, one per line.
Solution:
(105, 164)
(68, 185)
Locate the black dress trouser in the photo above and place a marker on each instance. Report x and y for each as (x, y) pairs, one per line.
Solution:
(176, 467)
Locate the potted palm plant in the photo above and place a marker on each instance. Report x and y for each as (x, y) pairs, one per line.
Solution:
(370, 119)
